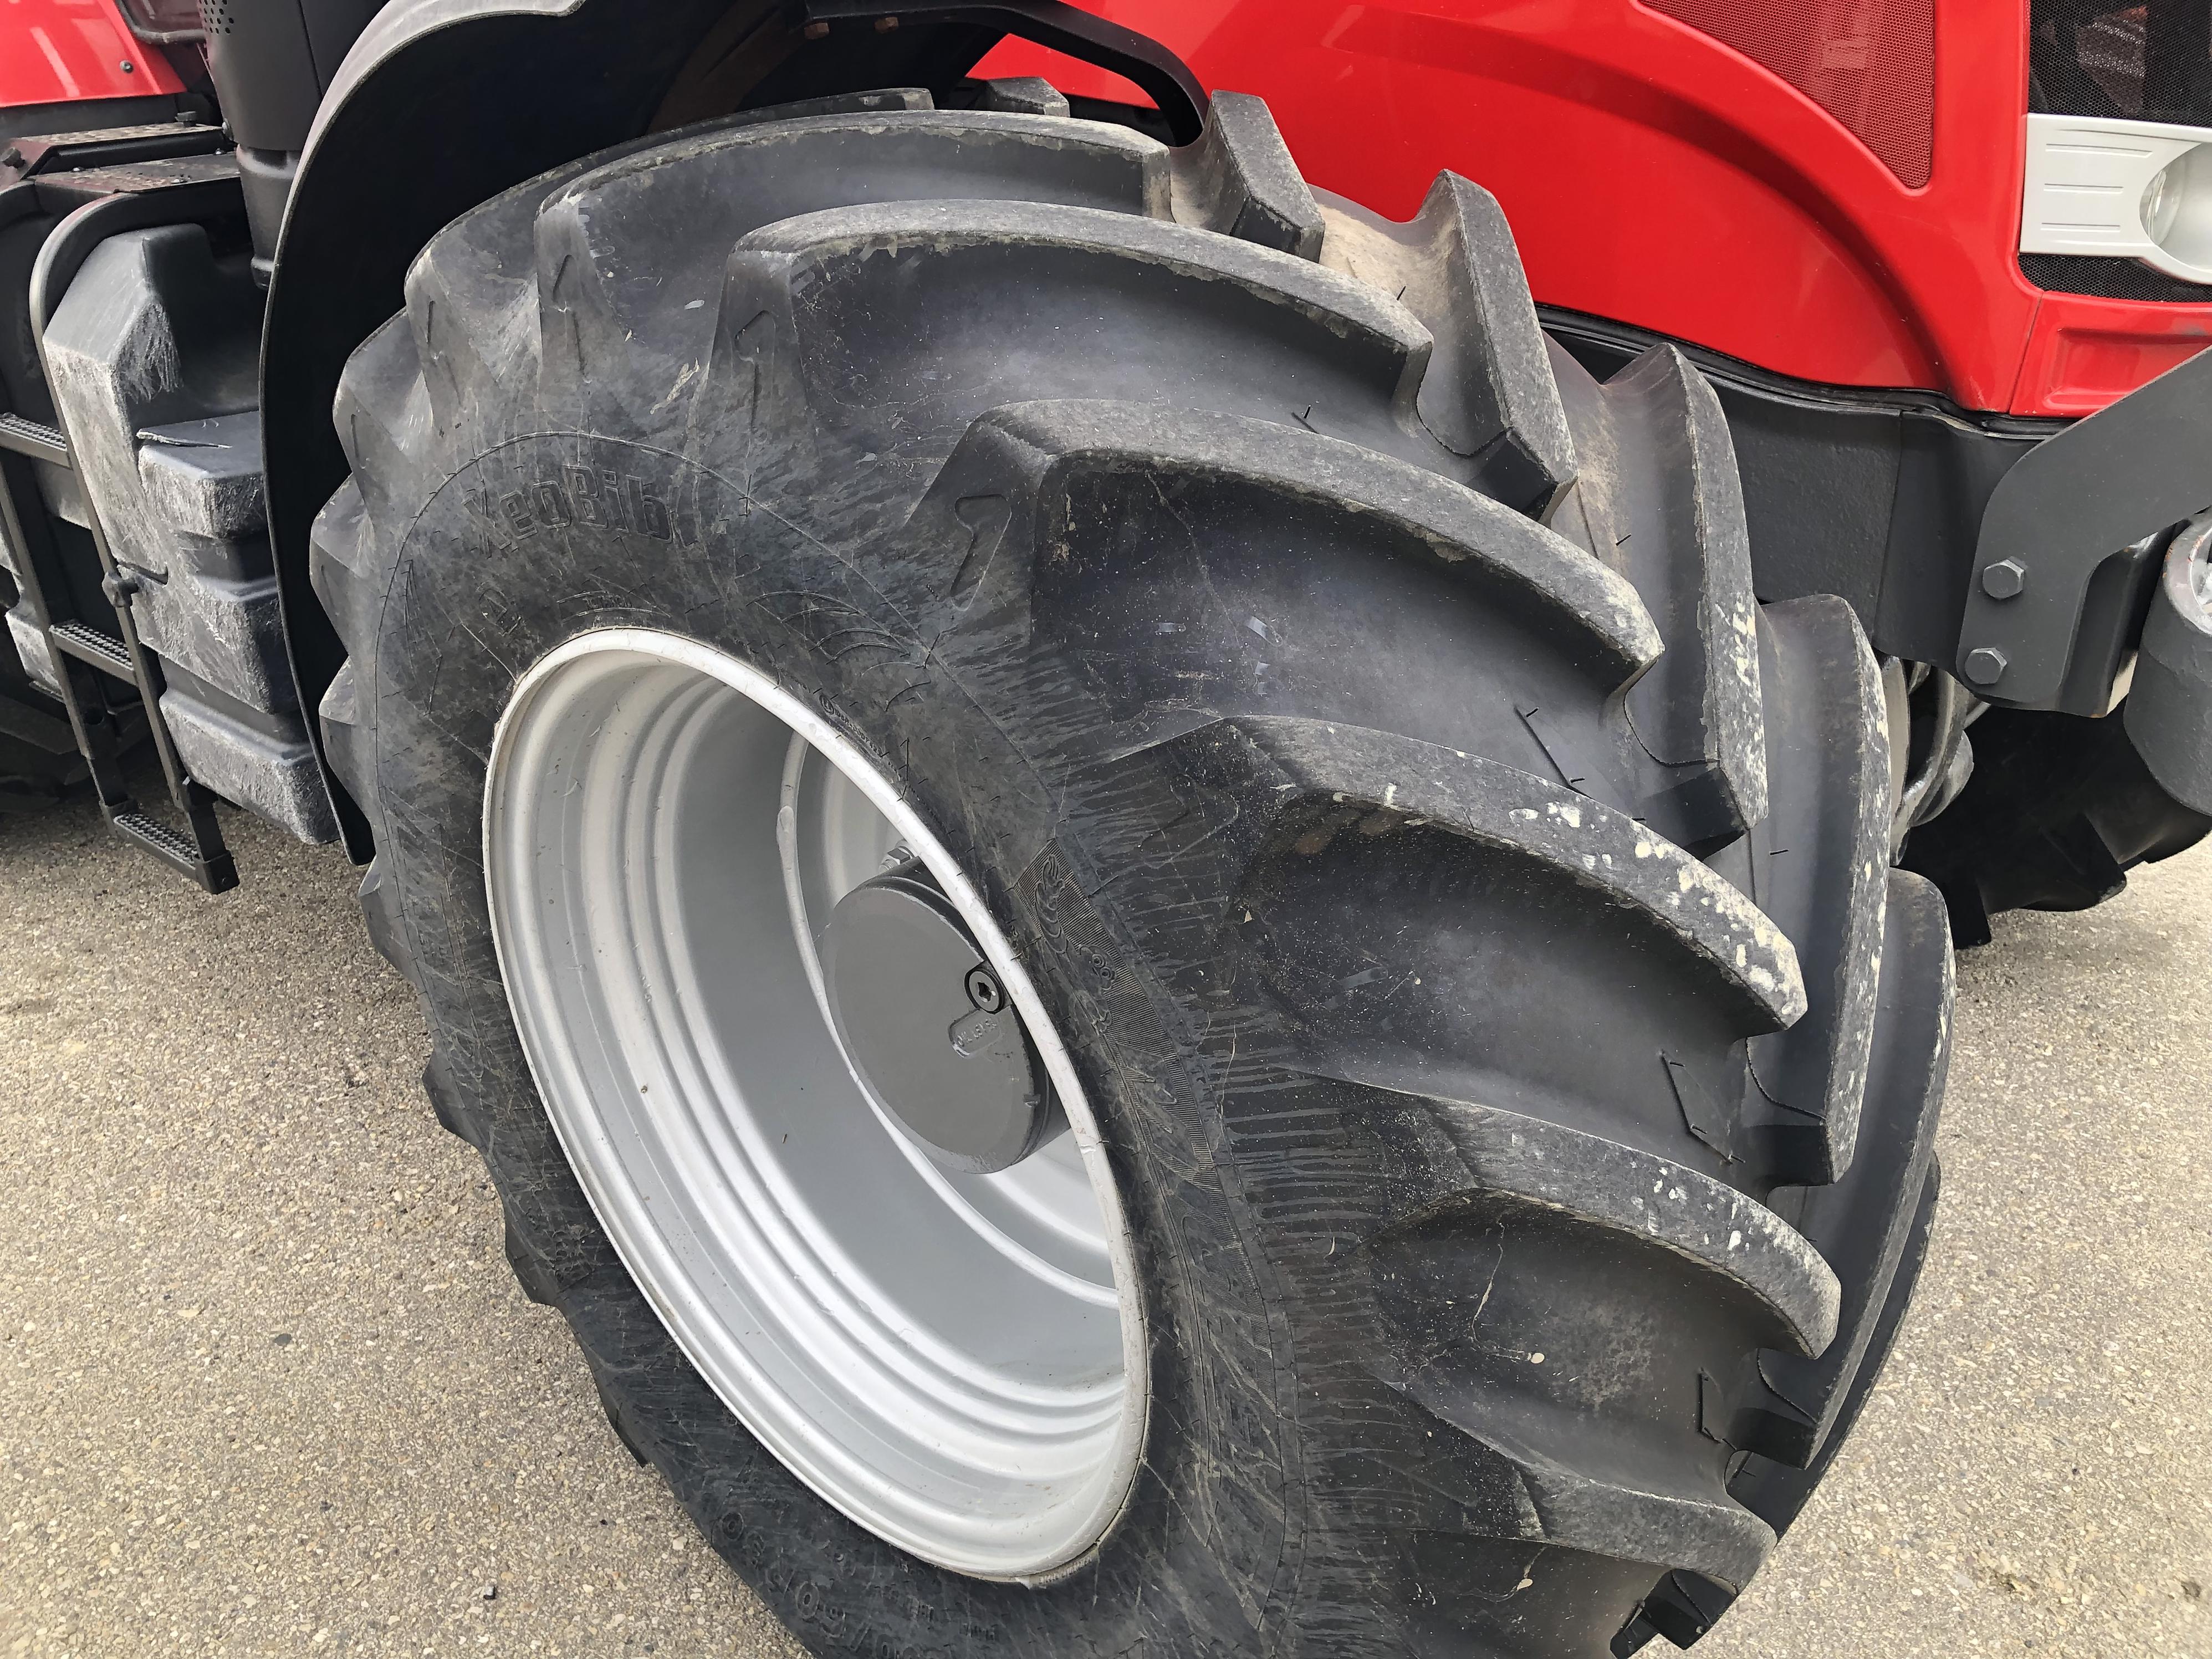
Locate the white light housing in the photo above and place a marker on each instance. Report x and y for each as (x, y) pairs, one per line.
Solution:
(2122, 190)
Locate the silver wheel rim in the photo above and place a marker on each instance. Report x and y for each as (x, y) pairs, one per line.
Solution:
(955, 1361)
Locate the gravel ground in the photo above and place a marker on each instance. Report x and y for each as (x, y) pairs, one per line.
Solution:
(266, 1386)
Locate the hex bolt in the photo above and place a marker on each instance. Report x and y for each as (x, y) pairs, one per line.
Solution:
(1985, 664)
(983, 989)
(2004, 579)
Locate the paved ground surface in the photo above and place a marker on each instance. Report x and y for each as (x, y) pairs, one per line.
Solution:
(266, 1386)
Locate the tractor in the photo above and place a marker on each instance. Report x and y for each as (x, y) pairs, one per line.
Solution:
(1181, 790)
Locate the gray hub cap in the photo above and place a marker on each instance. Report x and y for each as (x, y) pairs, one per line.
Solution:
(926, 1027)
(815, 1102)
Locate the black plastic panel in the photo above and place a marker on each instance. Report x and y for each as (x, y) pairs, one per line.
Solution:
(2110, 279)
(1874, 495)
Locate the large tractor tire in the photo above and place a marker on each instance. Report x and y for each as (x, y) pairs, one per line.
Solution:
(38, 761)
(35, 776)
(2059, 810)
(1143, 931)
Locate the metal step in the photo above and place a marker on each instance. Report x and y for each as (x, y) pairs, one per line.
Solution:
(40, 442)
(89, 644)
(216, 873)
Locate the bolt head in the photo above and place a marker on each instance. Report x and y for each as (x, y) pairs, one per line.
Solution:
(2004, 579)
(983, 989)
(1985, 664)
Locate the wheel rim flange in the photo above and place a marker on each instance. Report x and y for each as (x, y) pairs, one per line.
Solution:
(994, 1469)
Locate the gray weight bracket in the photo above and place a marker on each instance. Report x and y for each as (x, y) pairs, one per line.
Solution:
(2071, 516)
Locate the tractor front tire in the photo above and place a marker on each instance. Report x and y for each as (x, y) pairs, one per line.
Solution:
(1464, 908)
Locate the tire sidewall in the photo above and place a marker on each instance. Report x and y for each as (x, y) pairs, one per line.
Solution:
(621, 535)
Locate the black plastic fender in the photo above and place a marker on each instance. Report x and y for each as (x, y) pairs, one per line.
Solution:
(439, 104)
(442, 104)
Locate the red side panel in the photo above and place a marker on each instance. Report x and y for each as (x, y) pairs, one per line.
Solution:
(54, 52)
(1870, 63)
(2084, 352)
(1753, 197)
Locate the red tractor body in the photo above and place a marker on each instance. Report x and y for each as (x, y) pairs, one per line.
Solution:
(65, 52)
(1832, 193)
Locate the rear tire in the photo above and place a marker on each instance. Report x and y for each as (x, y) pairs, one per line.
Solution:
(33, 775)
(1464, 906)
(2059, 810)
